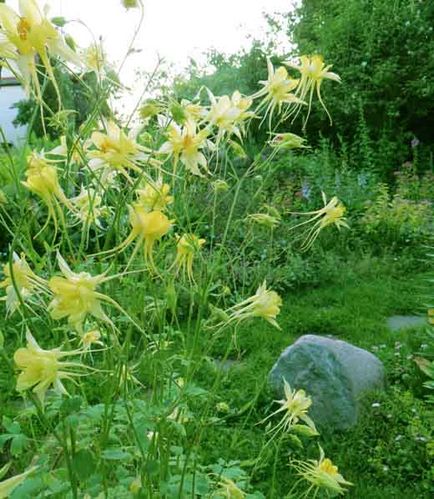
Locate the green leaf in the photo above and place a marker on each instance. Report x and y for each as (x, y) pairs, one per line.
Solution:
(115, 455)
(18, 444)
(83, 464)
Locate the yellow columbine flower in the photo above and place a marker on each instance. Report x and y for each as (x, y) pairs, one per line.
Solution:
(9, 485)
(42, 179)
(229, 113)
(42, 368)
(313, 71)
(75, 296)
(90, 338)
(277, 91)
(154, 196)
(322, 475)
(294, 407)
(88, 207)
(115, 152)
(185, 144)
(19, 278)
(95, 58)
(264, 303)
(331, 214)
(147, 227)
(187, 247)
(30, 35)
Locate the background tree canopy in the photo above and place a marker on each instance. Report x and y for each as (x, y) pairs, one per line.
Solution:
(386, 99)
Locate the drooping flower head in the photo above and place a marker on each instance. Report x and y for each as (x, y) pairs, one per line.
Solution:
(264, 303)
(185, 144)
(313, 72)
(19, 278)
(29, 35)
(147, 227)
(293, 408)
(278, 91)
(42, 368)
(75, 296)
(115, 152)
(332, 213)
(322, 475)
(154, 196)
(42, 180)
(186, 249)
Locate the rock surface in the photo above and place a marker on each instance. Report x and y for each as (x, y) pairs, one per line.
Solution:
(334, 373)
(399, 322)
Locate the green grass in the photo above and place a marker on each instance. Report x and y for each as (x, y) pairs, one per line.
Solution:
(353, 307)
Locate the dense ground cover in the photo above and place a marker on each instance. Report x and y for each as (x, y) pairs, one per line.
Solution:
(153, 272)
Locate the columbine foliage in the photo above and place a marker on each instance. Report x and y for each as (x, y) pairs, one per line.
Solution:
(115, 211)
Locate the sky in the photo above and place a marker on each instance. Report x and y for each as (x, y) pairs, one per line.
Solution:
(173, 29)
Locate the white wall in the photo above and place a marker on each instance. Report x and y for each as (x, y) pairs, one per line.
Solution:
(8, 96)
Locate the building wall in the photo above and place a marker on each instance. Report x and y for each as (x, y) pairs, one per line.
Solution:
(9, 95)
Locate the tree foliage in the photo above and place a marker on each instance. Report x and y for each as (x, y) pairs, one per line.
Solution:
(384, 52)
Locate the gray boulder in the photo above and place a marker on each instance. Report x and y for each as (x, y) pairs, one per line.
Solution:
(333, 372)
